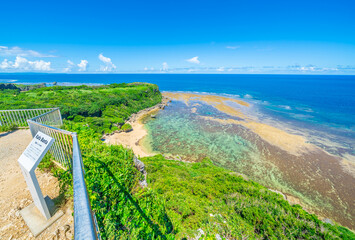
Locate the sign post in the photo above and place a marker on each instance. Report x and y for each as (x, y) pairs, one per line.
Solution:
(29, 161)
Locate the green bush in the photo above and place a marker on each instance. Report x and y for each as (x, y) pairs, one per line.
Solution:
(126, 127)
(7, 128)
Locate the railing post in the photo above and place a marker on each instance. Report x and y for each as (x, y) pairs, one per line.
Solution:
(60, 117)
(84, 226)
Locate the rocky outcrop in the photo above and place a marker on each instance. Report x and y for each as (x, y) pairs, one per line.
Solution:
(141, 167)
(136, 116)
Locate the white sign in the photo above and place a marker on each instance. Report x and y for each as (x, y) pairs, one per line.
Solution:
(28, 161)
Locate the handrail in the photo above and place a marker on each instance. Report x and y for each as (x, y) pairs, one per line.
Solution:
(36, 117)
(19, 117)
(53, 128)
(85, 224)
(66, 153)
(25, 109)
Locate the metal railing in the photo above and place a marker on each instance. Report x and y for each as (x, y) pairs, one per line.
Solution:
(66, 153)
(62, 148)
(19, 117)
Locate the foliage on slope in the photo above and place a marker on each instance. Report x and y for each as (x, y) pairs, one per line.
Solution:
(202, 195)
(123, 209)
(105, 108)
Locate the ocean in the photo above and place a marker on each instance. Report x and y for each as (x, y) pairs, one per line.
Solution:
(320, 109)
(324, 101)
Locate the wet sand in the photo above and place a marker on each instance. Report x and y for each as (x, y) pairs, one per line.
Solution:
(291, 143)
(217, 102)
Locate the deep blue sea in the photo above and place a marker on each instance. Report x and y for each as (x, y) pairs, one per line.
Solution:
(323, 104)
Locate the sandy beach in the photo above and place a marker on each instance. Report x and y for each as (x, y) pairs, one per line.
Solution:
(132, 139)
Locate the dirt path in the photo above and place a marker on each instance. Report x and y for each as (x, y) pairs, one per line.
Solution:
(14, 194)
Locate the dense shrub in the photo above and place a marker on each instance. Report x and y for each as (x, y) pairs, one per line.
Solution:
(123, 209)
(202, 195)
(126, 127)
(8, 128)
(104, 108)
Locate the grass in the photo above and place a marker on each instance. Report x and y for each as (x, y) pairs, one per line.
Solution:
(8, 128)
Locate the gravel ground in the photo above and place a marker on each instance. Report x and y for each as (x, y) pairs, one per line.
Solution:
(14, 194)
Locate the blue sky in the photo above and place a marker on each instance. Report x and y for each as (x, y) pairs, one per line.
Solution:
(298, 37)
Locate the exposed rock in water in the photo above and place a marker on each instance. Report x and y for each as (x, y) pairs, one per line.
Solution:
(327, 220)
(135, 116)
(275, 191)
(141, 167)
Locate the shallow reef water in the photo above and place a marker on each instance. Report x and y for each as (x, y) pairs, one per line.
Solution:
(187, 132)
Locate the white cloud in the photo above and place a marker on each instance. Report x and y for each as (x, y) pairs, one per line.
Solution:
(17, 51)
(23, 64)
(148, 69)
(310, 68)
(109, 66)
(220, 69)
(5, 64)
(83, 65)
(193, 60)
(233, 47)
(69, 67)
(165, 67)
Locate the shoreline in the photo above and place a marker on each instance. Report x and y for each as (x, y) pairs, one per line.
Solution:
(132, 139)
(292, 143)
(285, 150)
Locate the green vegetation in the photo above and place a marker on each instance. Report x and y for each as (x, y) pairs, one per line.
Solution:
(8, 128)
(202, 195)
(181, 198)
(126, 127)
(104, 108)
(123, 209)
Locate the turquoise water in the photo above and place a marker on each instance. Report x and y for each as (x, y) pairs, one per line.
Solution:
(181, 131)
